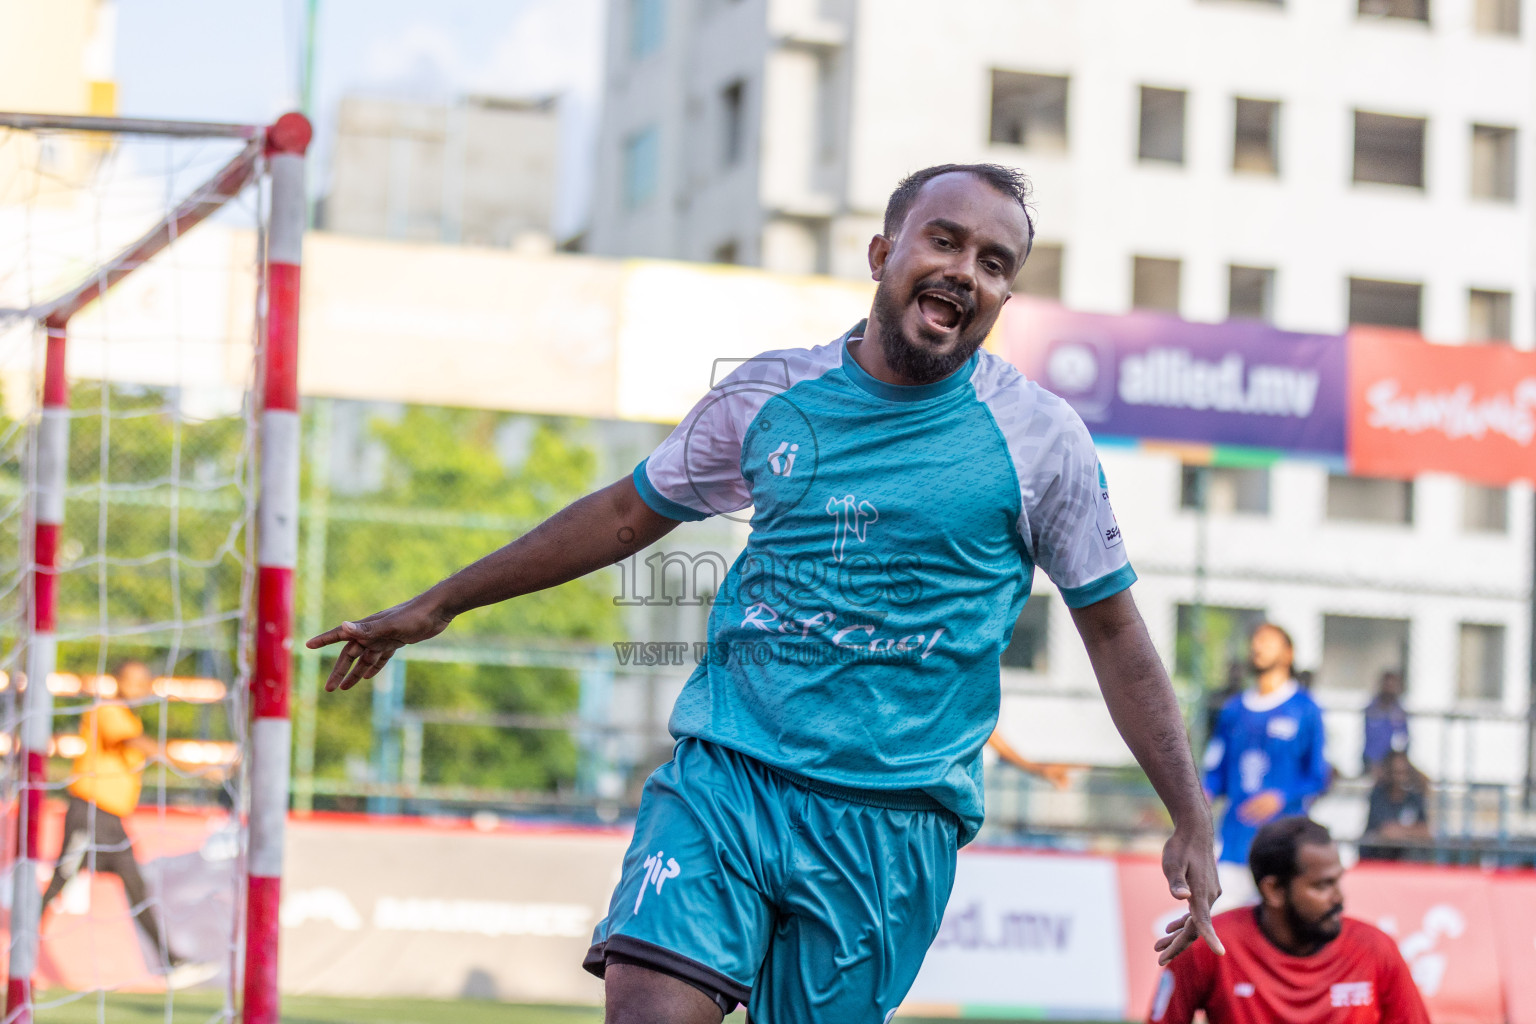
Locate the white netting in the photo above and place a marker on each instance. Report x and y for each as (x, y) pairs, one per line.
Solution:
(156, 574)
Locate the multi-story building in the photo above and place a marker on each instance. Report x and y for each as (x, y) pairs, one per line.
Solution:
(479, 171)
(1313, 163)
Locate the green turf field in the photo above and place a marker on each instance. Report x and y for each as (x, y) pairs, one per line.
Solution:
(198, 1008)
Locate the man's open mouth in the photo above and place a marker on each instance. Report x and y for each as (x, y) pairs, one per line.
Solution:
(942, 312)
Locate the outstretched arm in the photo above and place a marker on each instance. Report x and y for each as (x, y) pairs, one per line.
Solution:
(1141, 702)
(598, 530)
(1058, 775)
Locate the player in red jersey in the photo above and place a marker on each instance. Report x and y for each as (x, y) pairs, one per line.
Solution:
(1295, 958)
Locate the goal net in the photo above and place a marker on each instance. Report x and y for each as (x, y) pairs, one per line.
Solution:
(134, 304)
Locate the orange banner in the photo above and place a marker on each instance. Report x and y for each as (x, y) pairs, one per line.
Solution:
(1415, 407)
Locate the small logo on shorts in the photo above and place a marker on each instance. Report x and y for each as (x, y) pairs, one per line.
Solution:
(657, 872)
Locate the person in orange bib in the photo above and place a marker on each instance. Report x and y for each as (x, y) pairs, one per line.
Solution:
(107, 778)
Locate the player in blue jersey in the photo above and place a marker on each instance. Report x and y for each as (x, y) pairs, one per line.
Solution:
(1264, 758)
(797, 852)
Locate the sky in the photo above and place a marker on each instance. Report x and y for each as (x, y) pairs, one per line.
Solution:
(241, 62)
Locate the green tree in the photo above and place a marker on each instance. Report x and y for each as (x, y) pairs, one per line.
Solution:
(152, 559)
(446, 460)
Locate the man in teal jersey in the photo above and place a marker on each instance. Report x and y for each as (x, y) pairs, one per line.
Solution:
(797, 852)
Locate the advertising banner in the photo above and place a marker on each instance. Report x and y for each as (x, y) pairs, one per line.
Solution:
(1463, 409)
(1150, 375)
(1146, 908)
(446, 911)
(1027, 935)
(1514, 915)
(1443, 922)
(189, 861)
(441, 909)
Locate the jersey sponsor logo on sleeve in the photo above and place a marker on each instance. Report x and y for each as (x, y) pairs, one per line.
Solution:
(657, 872)
(1214, 753)
(1164, 996)
(1351, 993)
(1109, 526)
(1243, 990)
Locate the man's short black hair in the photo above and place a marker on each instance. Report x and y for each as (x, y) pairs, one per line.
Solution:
(1010, 181)
(1276, 845)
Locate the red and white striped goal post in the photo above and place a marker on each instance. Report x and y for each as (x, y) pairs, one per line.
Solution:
(278, 152)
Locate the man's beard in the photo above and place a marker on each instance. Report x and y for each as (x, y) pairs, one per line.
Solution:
(904, 356)
(1314, 933)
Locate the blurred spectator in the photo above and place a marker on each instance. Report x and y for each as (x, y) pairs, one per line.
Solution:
(1397, 809)
(1265, 757)
(1386, 722)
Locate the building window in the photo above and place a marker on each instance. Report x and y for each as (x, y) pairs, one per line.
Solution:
(1155, 284)
(1227, 489)
(1357, 650)
(647, 26)
(1365, 499)
(1162, 125)
(1211, 645)
(1488, 316)
(733, 128)
(828, 108)
(727, 253)
(1484, 509)
(1385, 303)
(1251, 293)
(1041, 274)
(1029, 110)
(1413, 10)
(1256, 137)
(1030, 644)
(1480, 674)
(1389, 150)
(1493, 162)
(642, 168)
(1498, 17)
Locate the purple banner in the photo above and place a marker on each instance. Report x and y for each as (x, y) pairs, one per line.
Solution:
(1154, 376)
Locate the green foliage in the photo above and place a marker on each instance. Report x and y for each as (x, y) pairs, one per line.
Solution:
(446, 460)
(146, 480)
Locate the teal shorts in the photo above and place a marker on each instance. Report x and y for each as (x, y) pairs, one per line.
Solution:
(805, 901)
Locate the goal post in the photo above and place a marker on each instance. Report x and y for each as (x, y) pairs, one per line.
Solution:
(270, 161)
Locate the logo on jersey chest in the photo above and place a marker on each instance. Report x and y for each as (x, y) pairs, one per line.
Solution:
(851, 517)
(1351, 993)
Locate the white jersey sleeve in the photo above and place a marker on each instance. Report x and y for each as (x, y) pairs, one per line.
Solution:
(696, 472)
(1066, 521)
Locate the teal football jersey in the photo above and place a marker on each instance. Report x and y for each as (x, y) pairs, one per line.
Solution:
(894, 536)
